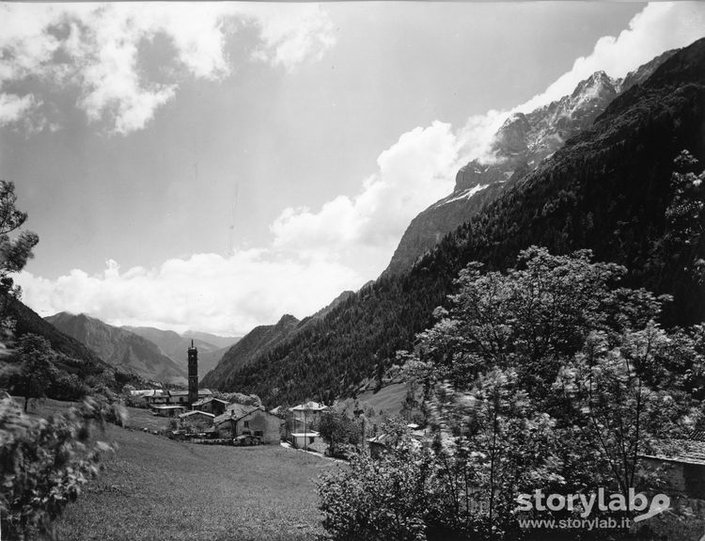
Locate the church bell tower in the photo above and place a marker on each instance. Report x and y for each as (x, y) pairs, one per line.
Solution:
(192, 374)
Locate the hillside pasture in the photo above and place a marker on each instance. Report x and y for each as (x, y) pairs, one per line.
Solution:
(154, 488)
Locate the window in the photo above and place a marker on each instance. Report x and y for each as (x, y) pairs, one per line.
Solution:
(259, 433)
(310, 439)
(247, 424)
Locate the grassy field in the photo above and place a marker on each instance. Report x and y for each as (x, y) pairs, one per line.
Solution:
(154, 488)
(389, 399)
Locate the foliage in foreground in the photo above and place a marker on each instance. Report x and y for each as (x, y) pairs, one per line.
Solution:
(44, 463)
(548, 376)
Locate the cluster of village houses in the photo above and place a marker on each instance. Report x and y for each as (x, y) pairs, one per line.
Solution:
(213, 417)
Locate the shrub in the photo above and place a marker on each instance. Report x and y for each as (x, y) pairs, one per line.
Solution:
(44, 463)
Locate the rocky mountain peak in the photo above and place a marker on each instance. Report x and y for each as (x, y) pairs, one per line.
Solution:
(519, 146)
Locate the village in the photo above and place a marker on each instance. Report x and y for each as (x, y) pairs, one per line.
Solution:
(199, 416)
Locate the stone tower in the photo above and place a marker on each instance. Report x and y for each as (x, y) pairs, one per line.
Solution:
(192, 374)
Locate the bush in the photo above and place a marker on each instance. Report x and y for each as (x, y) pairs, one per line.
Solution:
(44, 463)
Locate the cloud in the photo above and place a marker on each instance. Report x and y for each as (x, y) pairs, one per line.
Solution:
(206, 291)
(363, 230)
(659, 27)
(96, 48)
(287, 36)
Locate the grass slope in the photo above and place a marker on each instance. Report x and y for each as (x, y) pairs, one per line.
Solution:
(154, 488)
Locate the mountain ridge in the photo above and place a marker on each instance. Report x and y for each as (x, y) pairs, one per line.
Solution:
(120, 348)
(519, 146)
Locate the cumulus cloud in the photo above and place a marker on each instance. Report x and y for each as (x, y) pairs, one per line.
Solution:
(206, 291)
(363, 229)
(96, 48)
(660, 26)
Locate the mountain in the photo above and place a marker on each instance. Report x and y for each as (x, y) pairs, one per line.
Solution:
(610, 189)
(518, 148)
(27, 321)
(261, 339)
(257, 341)
(175, 346)
(120, 348)
(218, 341)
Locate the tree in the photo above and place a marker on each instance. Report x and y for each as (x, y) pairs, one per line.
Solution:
(15, 244)
(389, 498)
(15, 250)
(338, 429)
(45, 462)
(547, 376)
(621, 415)
(36, 369)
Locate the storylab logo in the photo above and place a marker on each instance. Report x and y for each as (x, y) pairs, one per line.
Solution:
(586, 506)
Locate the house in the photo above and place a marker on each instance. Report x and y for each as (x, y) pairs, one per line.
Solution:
(303, 440)
(147, 397)
(240, 419)
(210, 404)
(167, 410)
(196, 421)
(681, 463)
(383, 442)
(178, 397)
(306, 417)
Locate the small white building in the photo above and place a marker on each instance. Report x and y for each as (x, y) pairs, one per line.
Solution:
(302, 440)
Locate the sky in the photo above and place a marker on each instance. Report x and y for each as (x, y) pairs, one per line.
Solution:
(215, 166)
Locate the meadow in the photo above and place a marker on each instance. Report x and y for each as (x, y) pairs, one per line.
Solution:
(155, 488)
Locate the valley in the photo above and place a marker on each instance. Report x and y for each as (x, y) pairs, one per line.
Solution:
(537, 335)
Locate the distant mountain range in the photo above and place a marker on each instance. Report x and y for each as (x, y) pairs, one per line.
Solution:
(593, 170)
(175, 346)
(120, 348)
(518, 148)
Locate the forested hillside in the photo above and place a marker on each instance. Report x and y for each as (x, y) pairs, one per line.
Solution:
(26, 321)
(611, 189)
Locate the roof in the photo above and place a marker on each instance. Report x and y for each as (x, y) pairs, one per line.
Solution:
(167, 407)
(208, 399)
(196, 412)
(305, 434)
(685, 451)
(235, 412)
(309, 406)
(148, 392)
(204, 392)
(178, 393)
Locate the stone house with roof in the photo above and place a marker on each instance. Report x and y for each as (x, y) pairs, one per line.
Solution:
(240, 419)
(681, 463)
(196, 421)
(211, 404)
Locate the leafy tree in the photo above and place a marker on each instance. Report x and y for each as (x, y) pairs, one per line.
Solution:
(15, 247)
(619, 413)
(549, 375)
(390, 498)
(44, 462)
(338, 429)
(36, 369)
